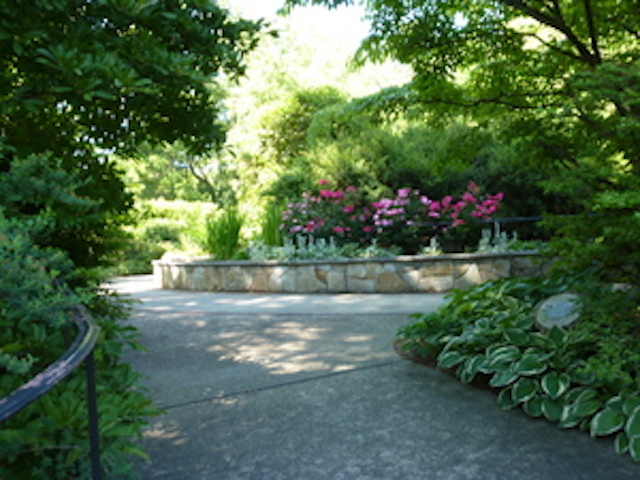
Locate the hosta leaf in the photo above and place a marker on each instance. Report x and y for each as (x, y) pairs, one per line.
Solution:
(584, 407)
(580, 393)
(502, 379)
(470, 368)
(568, 418)
(621, 443)
(530, 364)
(634, 448)
(606, 422)
(524, 322)
(517, 337)
(552, 408)
(615, 403)
(503, 355)
(505, 399)
(557, 336)
(450, 359)
(524, 389)
(555, 384)
(533, 406)
(584, 378)
(633, 424)
(630, 404)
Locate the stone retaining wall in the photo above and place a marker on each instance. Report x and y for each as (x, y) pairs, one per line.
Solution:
(387, 275)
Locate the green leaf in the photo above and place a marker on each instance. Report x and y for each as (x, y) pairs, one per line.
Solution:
(531, 364)
(621, 443)
(632, 428)
(504, 378)
(552, 408)
(630, 404)
(555, 384)
(505, 399)
(533, 406)
(503, 355)
(450, 359)
(557, 336)
(585, 407)
(606, 422)
(524, 389)
(134, 450)
(634, 448)
(615, 403)
(517, 337)
(580, 393)
(568, 418)
(470, 368)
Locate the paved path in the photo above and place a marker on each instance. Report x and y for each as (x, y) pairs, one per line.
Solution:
(307, 387)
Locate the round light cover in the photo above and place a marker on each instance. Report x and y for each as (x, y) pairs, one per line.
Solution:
(559, 310)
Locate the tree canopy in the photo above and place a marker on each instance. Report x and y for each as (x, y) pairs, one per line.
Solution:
(83, 78)
(570, 64)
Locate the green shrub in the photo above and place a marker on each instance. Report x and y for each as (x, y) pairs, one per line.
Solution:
(606, 236)
(49, 438)
(586, 375)
(159, 226)
(223, 234)
(271, 233)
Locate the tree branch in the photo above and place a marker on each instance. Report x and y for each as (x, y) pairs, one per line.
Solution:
(554, 47)
(504, 100)
(593, 32)
(558, 23)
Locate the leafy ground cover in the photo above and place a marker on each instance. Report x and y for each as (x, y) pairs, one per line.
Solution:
(49, 438)
(584, 376)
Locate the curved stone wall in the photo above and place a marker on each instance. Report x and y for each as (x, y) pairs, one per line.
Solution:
(377, 275)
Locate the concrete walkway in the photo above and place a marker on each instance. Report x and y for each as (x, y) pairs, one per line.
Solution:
(308, 387)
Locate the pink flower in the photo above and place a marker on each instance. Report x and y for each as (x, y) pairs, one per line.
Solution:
(323, 181)
(367, 228)
(467, 197)
(348, 209)
(473, 188)
(404, 192)
(326, 193)
(338, 230)
(351, 188)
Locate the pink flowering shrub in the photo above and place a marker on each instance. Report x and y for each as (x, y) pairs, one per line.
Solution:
(340, 214)
(407, 221)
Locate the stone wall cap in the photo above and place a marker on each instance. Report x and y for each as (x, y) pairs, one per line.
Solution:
(196, 261)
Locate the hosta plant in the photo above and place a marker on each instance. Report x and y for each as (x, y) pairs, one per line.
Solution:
(586, 375)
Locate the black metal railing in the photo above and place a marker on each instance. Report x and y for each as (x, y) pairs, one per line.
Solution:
(80, 351)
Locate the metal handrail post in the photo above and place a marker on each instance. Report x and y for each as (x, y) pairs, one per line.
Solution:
(92, 407)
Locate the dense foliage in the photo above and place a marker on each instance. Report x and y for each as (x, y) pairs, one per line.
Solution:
(586, 375)
(49, 438)
(80, 80)
(553, 78)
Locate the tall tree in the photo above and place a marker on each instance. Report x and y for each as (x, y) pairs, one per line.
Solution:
(83, 78)
(570, 65)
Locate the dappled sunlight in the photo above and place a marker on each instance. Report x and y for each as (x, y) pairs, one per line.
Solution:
(168, 431)
(291, 347)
